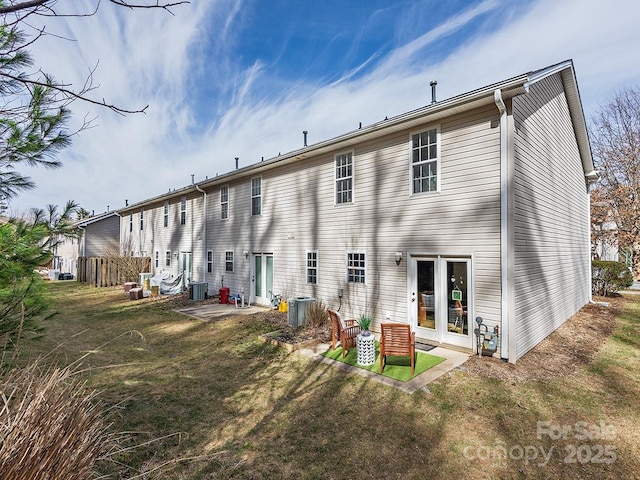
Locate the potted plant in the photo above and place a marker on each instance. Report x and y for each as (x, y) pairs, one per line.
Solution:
(365, 324)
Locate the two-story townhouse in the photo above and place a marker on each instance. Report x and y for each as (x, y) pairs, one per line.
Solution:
(169, 229)
(475, 206)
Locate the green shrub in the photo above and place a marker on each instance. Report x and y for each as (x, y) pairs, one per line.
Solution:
(609, 277)
(365, 321)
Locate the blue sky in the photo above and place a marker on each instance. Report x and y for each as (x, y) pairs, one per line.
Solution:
(234, 78)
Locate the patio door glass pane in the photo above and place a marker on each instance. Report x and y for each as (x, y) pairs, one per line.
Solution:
(426, 294)
(258, 275)
(269, 273)
(457, 297)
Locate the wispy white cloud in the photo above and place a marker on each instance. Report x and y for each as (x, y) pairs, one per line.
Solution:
(205, 108)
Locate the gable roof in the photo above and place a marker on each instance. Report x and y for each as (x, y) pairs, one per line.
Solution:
(96, 218)
(431, 113)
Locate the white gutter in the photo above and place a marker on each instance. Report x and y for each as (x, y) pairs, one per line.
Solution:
(204, 234)
(507, 333)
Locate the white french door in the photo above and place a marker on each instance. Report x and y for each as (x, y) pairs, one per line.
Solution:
(440, 302)
(186, 267)
(262, 278)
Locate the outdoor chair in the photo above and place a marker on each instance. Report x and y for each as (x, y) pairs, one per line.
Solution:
(344, 330)
(398, 340)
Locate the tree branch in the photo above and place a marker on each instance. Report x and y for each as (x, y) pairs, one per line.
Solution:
(72, 94)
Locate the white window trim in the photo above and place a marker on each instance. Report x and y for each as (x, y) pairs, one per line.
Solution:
(233, 261)
(316, 268)
(141, 219)
(346, 264)
(165, 214)
(183, 210)
(224, 202)
(353, 178)
(167, 258)
(438, 163)
(157, 259)
(256, 196)
(209, 261)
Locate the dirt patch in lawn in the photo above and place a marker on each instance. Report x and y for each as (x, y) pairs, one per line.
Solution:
(569, 348)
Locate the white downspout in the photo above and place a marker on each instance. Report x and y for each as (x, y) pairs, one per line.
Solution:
(204, 234)
(507, 333)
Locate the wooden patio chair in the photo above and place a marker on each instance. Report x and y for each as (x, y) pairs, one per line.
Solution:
(397, 339)
(344, 330)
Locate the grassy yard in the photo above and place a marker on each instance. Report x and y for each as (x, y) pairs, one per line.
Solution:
(208, 400)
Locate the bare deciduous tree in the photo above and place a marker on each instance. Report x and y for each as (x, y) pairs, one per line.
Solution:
(615, 136)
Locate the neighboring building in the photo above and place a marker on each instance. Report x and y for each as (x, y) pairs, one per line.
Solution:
(477, 205)
(65, 255)
(100, 235)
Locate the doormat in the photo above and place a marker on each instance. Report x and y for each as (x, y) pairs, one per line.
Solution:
(397, 368)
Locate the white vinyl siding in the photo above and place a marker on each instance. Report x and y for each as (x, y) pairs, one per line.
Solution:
(551, 235)
(463, 219)
(172, 238)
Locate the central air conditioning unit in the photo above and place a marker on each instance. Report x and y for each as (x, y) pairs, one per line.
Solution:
(198, 290)
(298, 308)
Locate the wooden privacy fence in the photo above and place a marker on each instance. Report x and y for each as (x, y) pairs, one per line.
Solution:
(111, 271)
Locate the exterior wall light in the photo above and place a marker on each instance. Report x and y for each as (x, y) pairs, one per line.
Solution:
(398, 257)
(246, 254)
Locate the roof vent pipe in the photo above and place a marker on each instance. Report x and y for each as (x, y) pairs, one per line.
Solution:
(236, 163)
(192, 181)
(305, 137)
(126, 202)
(433, 91)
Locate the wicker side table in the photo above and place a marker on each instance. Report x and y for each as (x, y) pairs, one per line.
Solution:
(366, 349)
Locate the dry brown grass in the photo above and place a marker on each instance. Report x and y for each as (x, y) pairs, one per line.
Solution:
(50, 425)
(215, 402)
(570, 348)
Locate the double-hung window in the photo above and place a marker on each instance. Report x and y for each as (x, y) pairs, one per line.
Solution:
(356, 267)
(183, 211)
(256, 196)
(228, 261)
(424, 161)
(344, 178)
(224, 202)
(131, 222)
(312, 267)
(167, 258)
(166, 214)
(141, 219)
(209, 261)
(157, 258)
